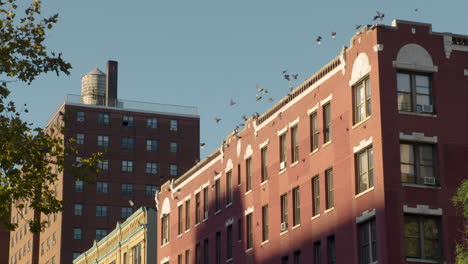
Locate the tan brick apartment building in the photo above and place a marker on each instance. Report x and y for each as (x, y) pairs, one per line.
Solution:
(145, 144)
(356, 165)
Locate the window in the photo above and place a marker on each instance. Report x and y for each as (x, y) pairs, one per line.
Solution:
(151, 145)
(368, 242)
(78, 209)
(173, 147)
(205, 203)
(283, 157)
(76, 254)
(297, 207)
(294, 144)
(77, 233)
(206, 252)
(314, 132)
(151, 122)
(101, 210)
(128, 143)
(150, 190)
(229, 242)
(187, 215)
(173, 125)
(124, 258)
(127, 120)
(418, 163)
(103, 118)
(414, 92)
(127, 165)
(327, 129)
(103, 165)
(151, 168)
(180, 221)
(197, 208)
(331, 250)
(125, 212)
(239, 174)
(79, 163)
(179, 259)
(79, 186)
(229, 187)
(422, 237)
(103, 141)
(187, 256)
(265, 223)
(315, 195)
(217, 195)
(365, 169)
(284, 259)
(80, 138)
(249, 231)
(80, 116)
(218, 248)
(102, 187)
(248, 174)
(330, 202)
(127, 189)
(165, 229)
(197, 254)
(317, 252)
(100, 234)
(297, 257)
(173, 170)
(136, 253)
(264, 160)
(284, 212)
(362, 101)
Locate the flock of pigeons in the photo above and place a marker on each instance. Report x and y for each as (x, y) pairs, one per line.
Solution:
(261, 92)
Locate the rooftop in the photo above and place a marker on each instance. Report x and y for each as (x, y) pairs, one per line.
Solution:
(133, 106)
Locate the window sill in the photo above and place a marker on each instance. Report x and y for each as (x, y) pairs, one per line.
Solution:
(284, 232)
(364, 192)
(186, 231)
(248, 192)
(228, 205)
(197, 224)
(326, 144)
(422, 260)
(217, 212)
(296, 226)
(422, 186)
(205, 219)
(282, 171)
(315, 217)
(228, 260)
(417, 114)
(360, 122)
(179, 235)
(294, 164)
(313, 152)
(164, 245)
(329, 210)
(263, 183)
(264, 242)
(248, 250)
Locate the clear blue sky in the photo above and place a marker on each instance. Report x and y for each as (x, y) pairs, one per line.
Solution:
(202, 53)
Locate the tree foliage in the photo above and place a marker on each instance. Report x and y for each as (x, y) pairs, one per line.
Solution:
(30, 159)
(461, 199)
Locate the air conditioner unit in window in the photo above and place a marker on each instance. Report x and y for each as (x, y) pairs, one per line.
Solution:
(429, 180)
(425, 108)
(284, 226)
(282, 165)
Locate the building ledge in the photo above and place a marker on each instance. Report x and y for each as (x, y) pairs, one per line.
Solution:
(364, 192)
(422, 260)
(421, 186)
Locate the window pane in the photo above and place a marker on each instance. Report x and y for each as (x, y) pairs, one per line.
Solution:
(422, 80)
(404, 101)
(406, 153)
(422, 100)
(412, 247)
(403, 82)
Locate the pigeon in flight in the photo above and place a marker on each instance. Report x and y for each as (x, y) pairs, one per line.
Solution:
(295, 76)
(231, 103)
(202, 145)
(217, 119)
(261, 90)
(379, 16)
(319, 39)
(270, 100)
(257, 97)
(333, 35)
(245, 118)
(357, 26)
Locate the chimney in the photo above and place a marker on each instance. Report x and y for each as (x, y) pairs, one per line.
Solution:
(111, 83)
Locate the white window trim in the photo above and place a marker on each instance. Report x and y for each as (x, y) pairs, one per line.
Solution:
(282, 131)
(418, 137)
(326, 100)
(378, 47)
(187, 197)
(248, 152)
(165, 259)
(360, 78)
(230, 221)
(414, 67)
(180, 203)
(422, 210)
(229, 166)
(262, 145)
(313, 109)
(362, 145)
(217, 176)
(366, 215)
(294, 122)
(249, 210)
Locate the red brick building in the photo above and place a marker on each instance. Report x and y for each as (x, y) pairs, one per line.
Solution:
(144, 145)
(356, 165)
